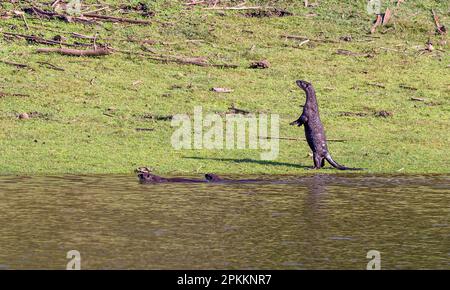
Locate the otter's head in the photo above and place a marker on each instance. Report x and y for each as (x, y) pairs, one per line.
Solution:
(304, 85)
(146, 177)
(210, 177)
(142, 169)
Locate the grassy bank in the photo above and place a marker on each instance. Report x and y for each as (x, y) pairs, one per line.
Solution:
(87, 109)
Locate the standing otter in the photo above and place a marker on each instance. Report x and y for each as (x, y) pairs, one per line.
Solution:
(315, 134)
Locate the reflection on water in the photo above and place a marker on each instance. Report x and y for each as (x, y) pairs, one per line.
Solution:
(310, 222)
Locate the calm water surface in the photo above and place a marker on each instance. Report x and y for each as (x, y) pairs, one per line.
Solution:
(289, 222)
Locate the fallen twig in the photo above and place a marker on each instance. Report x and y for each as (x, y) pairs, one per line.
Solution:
(37, 39)
(157, 117)
(177, 59)
(304, 38)
(240, 8)
(19, 65)
(116, 19)
(194, 3)
(56, 2)
(82, 36)
(392, 49)
(234, 110)
(377, 85)
(49, 65)
(53, 15)
(222, 90)
(86, 17)
(303, 42)
(144, 129)
(25, 21)
(76, 52)
(4, 94)
(407, 87)
(351, 53)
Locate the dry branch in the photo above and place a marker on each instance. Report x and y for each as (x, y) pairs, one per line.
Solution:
(19, 65)
(76, 52)
(116, 19)
(86, 17)
(304, 38)
(4, 94)
(234, 110)
(177, 59)
(351, 53)
(37, 39)
(195, 3)
(49, 65)
(240, 8)
(222, 90)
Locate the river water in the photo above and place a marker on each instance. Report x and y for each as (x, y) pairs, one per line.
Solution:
(286, 222)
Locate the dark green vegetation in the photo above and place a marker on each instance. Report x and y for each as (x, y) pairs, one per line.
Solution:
(86, 114)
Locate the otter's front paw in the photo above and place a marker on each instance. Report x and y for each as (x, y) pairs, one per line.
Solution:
(296, 122)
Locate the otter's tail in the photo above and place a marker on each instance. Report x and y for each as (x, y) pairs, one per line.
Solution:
(337, 165)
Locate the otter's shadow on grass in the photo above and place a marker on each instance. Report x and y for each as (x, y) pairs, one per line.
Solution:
(261, 162)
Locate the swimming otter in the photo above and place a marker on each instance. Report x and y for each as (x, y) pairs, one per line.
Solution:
(147, 177)
(315, 134)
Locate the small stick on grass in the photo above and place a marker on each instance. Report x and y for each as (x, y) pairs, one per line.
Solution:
(377, 85)
(234, 110)
(116, 19)
(351, 53)
(4, 94)
(177, 59)
(36, 39)
(303, 38)
(25, 21)
(52, 66)
(407, 87)
(194, 3)
(144, 129)
(76, 52)
(240, 8)
(19, 65)
(303, 42)
(55, 3)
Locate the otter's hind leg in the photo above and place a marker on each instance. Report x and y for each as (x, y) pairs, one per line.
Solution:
(319, 161)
